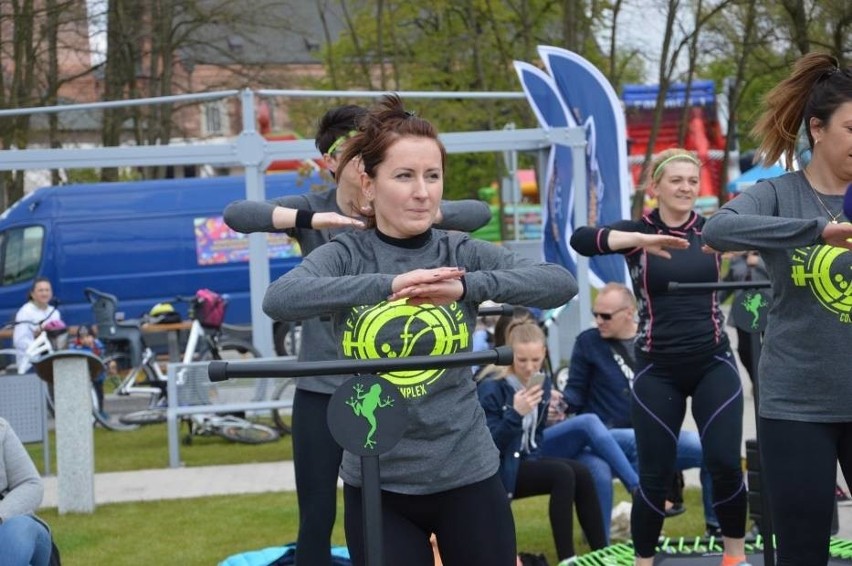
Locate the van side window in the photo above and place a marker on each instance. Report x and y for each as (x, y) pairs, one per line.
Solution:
(21, 253)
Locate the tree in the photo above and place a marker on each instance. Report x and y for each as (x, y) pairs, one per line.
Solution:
(32, 34)
(455, 45)
(672, 47)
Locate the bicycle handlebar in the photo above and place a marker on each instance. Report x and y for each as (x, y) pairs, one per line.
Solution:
(222, 370)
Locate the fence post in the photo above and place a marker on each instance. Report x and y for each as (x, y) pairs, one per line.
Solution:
(71, 373)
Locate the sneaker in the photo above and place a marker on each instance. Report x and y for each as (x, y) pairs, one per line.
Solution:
(712, 531)
(675, 510)
(840, 495)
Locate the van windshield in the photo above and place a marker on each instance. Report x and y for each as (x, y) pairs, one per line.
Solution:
(20, 253)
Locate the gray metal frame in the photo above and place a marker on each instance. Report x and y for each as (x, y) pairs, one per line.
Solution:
(23, 403)
(187, 390)
(250, 150)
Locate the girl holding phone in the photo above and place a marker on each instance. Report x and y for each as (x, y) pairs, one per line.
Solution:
(535, 458)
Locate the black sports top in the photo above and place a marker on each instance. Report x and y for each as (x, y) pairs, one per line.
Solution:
(670, 323)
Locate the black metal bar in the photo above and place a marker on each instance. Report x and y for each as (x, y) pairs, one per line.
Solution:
(719, 285)
(222, 370)
(498, 310)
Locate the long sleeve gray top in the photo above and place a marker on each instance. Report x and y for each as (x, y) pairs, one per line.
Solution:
(806, 362)
(248, 216)
(447, 443)
(20, 484)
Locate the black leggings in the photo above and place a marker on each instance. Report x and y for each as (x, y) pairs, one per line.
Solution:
(657, 410)
(316, 459)
(799, 469)
(565, 481)
(473, 525)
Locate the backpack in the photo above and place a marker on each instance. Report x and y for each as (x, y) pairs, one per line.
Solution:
(209, 308)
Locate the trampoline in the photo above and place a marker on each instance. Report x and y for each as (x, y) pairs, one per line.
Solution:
(695, 552)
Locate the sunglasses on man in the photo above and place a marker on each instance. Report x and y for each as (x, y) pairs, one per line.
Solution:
(607, 315)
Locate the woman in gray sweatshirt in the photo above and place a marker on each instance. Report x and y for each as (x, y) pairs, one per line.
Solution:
(313, 219)
(797, 223)
(23, 538)
(406, 289)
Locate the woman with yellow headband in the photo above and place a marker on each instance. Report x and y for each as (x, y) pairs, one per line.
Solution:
(681, 351)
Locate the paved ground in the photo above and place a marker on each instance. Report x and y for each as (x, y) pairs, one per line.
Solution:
(182, 483)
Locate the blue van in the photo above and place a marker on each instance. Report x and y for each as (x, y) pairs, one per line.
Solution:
(144, 242)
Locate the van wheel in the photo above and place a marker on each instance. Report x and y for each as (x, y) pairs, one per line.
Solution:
(288, 339)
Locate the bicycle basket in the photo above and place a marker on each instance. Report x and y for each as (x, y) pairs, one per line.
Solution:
(209, 308)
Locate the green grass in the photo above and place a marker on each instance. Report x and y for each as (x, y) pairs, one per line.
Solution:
(206, 530)
(200, 531)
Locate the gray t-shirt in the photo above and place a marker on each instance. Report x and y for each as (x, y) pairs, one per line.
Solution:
(447, 443)
(317, 335)
(806, 362)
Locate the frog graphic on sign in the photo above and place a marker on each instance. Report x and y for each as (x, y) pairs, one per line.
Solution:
(753, 302)
(365, 405)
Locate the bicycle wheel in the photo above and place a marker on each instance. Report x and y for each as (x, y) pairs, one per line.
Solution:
(121, 400)
(246, 432)
(109, 422)
(148, 416)
(232, 350)
(284, 391)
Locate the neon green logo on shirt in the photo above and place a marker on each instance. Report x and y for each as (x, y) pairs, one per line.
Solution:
(817, 268)
(398, 330)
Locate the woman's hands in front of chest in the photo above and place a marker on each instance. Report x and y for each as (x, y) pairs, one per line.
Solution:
(437, 286)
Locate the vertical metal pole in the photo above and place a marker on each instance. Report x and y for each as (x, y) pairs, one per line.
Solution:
(371, 511)
(766, 524)
(251, 152)
(581, 215)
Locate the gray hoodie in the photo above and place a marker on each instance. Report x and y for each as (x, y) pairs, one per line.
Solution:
(447, 443)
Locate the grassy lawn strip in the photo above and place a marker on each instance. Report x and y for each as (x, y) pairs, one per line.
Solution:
(206, 530)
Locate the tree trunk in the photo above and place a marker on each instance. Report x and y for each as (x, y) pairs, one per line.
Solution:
(665, 71)
(735, 93)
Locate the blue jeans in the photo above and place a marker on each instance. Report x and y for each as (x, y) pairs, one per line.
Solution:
(688, 456)
(24, 541)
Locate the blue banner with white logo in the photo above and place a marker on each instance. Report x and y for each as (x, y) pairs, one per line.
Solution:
(590, 100)
(558, 192)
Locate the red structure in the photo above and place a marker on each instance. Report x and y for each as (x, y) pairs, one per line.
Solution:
(703, 129)
(264, 127)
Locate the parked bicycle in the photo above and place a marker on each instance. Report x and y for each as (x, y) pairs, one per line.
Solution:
(147, 380)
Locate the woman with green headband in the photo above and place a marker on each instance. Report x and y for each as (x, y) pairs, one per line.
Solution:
(682, 351)
(313, 219)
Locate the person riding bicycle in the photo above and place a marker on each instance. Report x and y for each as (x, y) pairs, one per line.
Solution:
(30, 320)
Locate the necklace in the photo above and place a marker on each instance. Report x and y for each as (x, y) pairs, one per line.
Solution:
(832, 217)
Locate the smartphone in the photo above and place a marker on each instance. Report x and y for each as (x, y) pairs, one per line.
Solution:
(535, 379)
